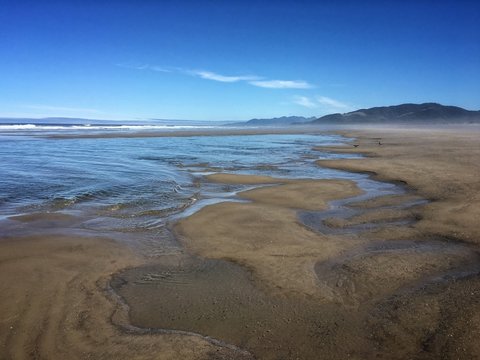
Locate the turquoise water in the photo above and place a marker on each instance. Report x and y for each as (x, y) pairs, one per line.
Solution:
(135, 184)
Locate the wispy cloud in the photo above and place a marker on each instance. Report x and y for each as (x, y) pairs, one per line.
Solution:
(159, 68)
(254, 80)
(209, 75)
(332, 103)
(304, 101)
(323, 102)
(282, 84)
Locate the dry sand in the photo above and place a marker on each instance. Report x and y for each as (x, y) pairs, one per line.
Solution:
(256, 277)
(294, 194)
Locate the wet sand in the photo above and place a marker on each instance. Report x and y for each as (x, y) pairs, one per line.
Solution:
(258, 280)
(56, 304)
(226, 131)
(438, 165)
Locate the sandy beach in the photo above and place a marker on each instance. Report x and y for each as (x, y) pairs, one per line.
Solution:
(264, 278)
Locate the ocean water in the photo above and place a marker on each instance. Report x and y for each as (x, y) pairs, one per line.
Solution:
(119, 186)
(52, 128)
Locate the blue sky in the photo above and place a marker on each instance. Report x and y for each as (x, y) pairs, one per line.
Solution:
(229, 60)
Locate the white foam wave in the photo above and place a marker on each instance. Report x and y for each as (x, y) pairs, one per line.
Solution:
(17, 127)
(88, 127)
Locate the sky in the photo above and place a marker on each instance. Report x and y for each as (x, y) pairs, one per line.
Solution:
(234, 60)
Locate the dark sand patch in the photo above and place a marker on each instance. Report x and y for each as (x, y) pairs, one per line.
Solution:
(388, 201)
(219, 299)
(437, 320)
(226, 178)
(43, 216)
(373, 218)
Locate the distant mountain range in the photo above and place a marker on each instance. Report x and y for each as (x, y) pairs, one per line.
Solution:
(404, 113)
(411, 113)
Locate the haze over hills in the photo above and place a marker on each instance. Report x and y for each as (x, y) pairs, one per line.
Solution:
(278, 121)
(427, 113)
(411, 113)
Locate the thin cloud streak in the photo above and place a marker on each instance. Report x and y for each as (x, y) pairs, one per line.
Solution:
(332, 103)
(160, 69)
(209, 75)
(282, 84)
(305, 102)
(254, 80)
(324, 102)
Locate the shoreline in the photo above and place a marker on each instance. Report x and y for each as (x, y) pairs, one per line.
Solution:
(317, 129)
(340, 286)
